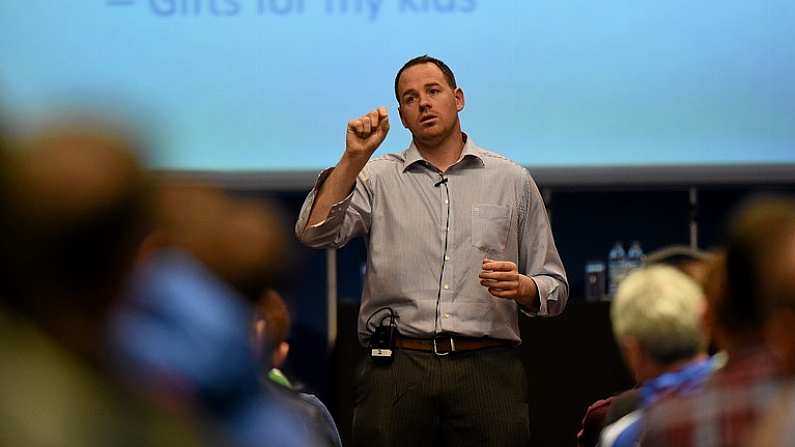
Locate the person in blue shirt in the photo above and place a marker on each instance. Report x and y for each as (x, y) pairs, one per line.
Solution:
(183, 332)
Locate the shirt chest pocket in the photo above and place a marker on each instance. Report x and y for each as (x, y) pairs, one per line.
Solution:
(490, 226)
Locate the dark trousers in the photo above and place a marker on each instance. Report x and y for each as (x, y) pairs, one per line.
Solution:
(474, 398)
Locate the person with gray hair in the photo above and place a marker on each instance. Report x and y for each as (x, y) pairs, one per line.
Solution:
(657, 321)
(694, 263)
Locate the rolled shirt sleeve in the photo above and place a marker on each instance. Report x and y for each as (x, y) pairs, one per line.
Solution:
(347, 218)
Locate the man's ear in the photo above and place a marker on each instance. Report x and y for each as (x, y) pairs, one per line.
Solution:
(459, 99)
(280, 354)
(402, 121)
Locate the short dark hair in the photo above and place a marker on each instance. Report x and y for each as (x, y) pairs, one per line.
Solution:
(272, 309)
(425, 59)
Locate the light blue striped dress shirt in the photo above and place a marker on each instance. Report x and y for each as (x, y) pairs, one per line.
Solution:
(426, 241)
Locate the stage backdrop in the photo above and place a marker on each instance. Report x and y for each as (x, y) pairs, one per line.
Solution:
(268, 85)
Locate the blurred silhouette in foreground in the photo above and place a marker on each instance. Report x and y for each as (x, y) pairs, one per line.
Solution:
(778, 424)
(184, 332)
(76, 206)
(740, 290)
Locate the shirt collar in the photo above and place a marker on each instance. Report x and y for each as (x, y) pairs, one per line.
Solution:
(412, 155)
(692, 375)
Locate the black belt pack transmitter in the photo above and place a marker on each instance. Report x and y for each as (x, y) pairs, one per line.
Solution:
(383, 336)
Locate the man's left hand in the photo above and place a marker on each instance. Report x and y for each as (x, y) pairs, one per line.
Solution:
(503, 280)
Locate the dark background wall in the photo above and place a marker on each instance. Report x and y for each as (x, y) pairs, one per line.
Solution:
(571, 360)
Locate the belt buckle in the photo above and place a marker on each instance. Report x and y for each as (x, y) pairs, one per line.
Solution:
(436, 349)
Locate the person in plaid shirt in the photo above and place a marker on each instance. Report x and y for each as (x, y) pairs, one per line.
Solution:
(778, 424)
(725, 411)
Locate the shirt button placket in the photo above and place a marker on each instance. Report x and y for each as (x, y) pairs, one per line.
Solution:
(444, 323)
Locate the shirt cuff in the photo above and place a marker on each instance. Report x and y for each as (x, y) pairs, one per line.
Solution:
(546, 297)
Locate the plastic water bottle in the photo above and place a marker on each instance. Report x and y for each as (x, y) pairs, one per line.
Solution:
(616, 268)
(634, 257)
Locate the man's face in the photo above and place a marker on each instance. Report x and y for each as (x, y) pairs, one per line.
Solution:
(428, 105)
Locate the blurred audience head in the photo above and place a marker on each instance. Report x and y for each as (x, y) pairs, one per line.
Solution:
(657, 319)
(691, 261)
(747, 277)
(79, 205)
(243, 241)
(7, 246)
(763, 244)
(271, 328)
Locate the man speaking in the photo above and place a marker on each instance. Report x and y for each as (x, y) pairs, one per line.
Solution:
(458, 241)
